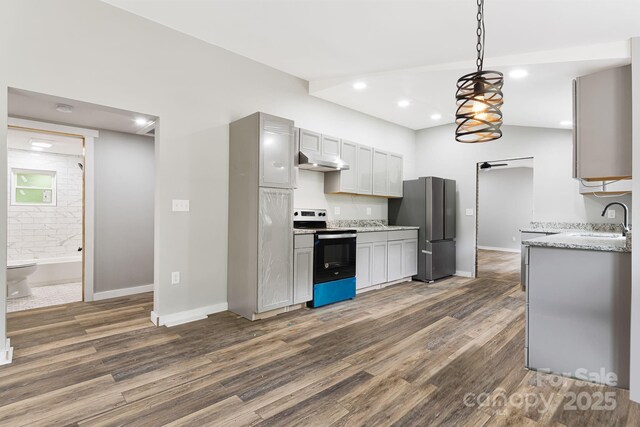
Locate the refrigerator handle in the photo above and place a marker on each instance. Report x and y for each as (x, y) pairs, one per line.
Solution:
(427, 252)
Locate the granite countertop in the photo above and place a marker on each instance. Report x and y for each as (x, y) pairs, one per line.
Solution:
(362, 229)
(573, 227)
(585, 240)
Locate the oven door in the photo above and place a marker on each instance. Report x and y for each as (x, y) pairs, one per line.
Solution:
(334, 257)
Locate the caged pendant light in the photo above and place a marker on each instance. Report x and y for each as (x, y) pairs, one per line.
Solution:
(479, 97)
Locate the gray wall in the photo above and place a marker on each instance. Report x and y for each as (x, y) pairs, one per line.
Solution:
(634, 386)
(124, 197)
(505, 205)
(556, 195)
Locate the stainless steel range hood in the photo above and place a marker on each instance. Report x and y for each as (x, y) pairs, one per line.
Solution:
(319, 163)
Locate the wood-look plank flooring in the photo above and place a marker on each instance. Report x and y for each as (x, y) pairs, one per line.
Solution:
(404, 355)
(499, 265)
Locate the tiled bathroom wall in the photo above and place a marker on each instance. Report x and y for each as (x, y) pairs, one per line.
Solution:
(39, 232)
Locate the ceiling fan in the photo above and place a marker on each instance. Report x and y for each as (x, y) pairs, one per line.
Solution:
(487, 165)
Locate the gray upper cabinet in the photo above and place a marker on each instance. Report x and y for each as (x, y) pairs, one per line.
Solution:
(275, 249)
(330, 146)
(310, 142)
(394, 175)
(365, 169)
(345, 181)
(602, 125)
(277, 146)
(380, 178)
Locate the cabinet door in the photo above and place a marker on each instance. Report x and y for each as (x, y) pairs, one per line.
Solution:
(379, 263)
(394, 260)
(310, 142)
(277, 144)
(380, 180)
(330, 146)
(365, 164)
(303, 275)
(349, 177)
(409, 258)
(603, 124)
(364, 253)
(275, 249)
(395, 175)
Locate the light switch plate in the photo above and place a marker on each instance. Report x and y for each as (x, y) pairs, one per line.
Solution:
(336, 210)
(469, 212)
(611, 214)
(368, 211)
(175, 278)
(180, 206)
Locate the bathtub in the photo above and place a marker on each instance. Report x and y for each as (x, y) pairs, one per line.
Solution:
(53, 271)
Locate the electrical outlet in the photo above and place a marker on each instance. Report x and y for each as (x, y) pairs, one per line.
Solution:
(469, 212)
(611, 214)
(513, 238)
(368, 211)
(336, 210)
(180, 206)
(175, 278)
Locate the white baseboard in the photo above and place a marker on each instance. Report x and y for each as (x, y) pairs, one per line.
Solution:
(494, 248)
(6, 356)
(122, 292)
(187, 316)
(464, 273)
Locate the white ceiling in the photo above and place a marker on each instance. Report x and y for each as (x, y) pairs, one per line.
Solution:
(38, 106)
(60, 144)
(415, 49)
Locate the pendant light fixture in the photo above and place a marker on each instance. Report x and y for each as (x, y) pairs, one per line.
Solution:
(479, 97)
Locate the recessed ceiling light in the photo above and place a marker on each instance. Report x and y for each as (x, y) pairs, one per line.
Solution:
(566, 123)
(436, 116)
(37, 148)
(41, 144)
(64, 108)
(518, 73)
(360, 85)
(140, 121)
(404, 103)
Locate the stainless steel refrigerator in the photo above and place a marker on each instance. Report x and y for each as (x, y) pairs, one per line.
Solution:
(430, 203)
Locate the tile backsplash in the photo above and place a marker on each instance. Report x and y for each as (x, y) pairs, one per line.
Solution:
(39, 232)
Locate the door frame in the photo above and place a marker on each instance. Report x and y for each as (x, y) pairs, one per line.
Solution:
(477, 223)
(88, 205)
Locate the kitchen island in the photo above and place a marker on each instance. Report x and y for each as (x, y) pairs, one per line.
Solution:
(578, 293)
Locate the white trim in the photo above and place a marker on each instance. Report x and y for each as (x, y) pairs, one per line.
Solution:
(51, 127)
(122, 292)
(187, 316)
(6, 356)
(154, 318)
(494, 248)
(463, 273)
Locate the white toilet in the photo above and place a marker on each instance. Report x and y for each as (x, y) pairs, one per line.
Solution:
(17, 283)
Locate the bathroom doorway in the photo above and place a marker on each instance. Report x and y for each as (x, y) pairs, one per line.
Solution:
(45, 214)
(504, 205)
(81, 205)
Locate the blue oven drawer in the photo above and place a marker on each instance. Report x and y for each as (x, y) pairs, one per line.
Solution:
(330, 292)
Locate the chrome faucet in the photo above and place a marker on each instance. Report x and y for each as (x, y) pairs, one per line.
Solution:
(625, 230)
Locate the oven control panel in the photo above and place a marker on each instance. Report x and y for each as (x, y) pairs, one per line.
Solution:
(310, 214)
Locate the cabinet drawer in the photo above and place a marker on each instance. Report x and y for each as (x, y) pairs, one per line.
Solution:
(402, 234)
(303, 241)
(372, 237)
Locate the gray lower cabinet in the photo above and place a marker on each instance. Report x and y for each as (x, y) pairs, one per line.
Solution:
(526, 235)
(302, 268)
(364, 256)
(394, 260)
(379, 261)
(409, 258)
(579, 312)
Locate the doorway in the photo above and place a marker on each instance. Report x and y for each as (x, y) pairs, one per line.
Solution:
(504, 205)
(45, 218)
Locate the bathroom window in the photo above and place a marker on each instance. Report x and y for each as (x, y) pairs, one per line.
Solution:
(33, 187)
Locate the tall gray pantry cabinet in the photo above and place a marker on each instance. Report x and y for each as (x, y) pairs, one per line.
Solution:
(261, 182)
